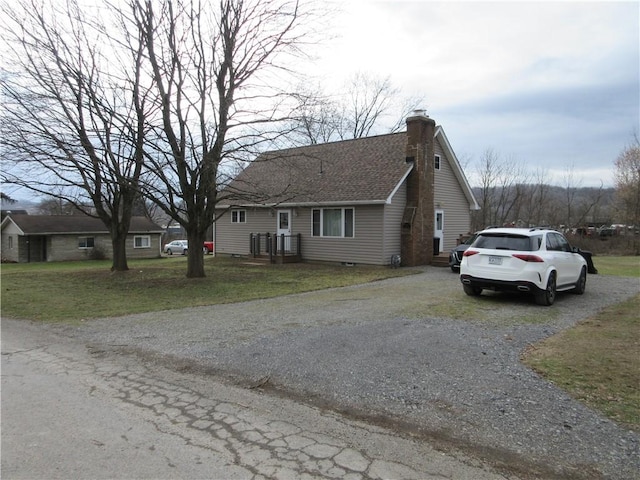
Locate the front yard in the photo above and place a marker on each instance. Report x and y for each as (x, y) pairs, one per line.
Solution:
(76, 291)
(597, 360)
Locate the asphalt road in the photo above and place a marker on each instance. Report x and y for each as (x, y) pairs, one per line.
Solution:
(72, 411)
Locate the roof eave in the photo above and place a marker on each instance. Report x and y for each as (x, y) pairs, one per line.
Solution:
(335, 203)
(457, 168)
(398, 185)
(86, 232)
(8, 219)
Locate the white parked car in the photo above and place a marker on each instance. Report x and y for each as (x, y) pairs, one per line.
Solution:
(538, 261)
(180, 247)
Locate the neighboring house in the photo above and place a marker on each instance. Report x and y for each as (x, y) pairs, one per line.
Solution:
(13, 212)
(358, 201)
(50, 238)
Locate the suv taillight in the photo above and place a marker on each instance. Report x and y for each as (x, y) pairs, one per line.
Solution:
(528, 257)
(468, 253)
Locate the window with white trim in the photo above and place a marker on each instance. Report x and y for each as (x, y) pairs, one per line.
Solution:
(436, 162)
(141, 241)
(238, 216)
(86, 242)
(333, 222)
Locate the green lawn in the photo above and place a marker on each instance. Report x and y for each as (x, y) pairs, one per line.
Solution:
(597, 361)
(619, 266)
(73, 291)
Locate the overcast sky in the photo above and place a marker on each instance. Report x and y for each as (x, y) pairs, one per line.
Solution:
(552, 85)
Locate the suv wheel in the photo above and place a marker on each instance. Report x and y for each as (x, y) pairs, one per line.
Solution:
(582, 283)
(472, 291)
(548, 295)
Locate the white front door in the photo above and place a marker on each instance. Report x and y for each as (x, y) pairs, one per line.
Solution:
(284, 228)
(439, 228)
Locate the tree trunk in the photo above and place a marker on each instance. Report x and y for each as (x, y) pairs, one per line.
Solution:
(119, 261)
(195, 256)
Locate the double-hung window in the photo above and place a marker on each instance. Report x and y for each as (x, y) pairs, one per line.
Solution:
(142, 241)
(436, 162)
(332, 222)
(85, 242)
(238, 216)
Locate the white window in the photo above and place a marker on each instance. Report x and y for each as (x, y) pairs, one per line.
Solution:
(238, 216)
(10, 241)
(332, 222)
(436, 162)
(142, 241)
(85, 242)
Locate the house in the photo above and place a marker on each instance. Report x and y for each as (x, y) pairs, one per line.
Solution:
(360, 201)
(50, 238)
(4, 213)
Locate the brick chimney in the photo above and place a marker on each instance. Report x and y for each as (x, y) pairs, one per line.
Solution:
(418, 220)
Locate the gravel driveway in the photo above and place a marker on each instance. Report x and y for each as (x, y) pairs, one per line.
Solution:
(381, 351)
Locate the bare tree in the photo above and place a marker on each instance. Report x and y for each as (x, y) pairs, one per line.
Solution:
(589, 203)
(488, 173)
(57, 206)
(503, 191)
(571, 185)
(538, 200)
(368, 99)
(512, 181)
(366, 107)
(317, 118)
(6, 198)
(74, 118)
(627, 181)
(214, 67)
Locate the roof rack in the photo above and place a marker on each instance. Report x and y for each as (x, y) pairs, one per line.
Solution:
(532, 229)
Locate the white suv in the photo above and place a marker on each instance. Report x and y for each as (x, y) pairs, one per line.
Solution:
(536, 260)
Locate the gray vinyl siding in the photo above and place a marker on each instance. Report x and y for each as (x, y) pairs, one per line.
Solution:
(377, 233)
(449, 194)
(366, 246)
(392, 223)
(233, 238)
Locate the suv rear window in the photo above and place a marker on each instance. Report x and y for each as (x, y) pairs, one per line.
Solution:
(507, 241)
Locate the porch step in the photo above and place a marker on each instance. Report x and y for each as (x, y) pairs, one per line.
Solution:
(440, 261)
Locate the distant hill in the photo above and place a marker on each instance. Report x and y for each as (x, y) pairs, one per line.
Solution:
(26, 205)
(521, 205)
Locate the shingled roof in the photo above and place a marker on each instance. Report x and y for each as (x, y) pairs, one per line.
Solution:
(73, 224)
(365, 170)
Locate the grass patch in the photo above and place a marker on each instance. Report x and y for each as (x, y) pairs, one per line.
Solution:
(493, 308)
(73, 291)
(618, 266)
(597, 361)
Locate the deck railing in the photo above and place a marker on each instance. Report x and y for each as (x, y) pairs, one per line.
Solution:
(283, 247)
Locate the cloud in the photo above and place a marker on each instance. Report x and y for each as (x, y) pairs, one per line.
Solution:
(603, 101)
(554, 84)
